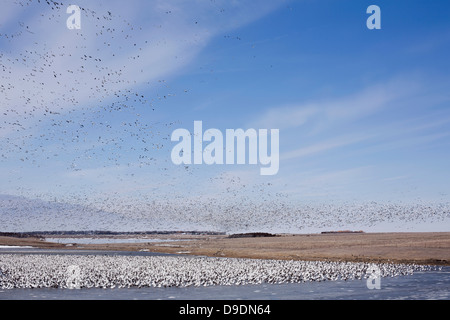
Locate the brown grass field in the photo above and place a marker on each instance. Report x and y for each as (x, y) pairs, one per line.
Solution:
(409, 247)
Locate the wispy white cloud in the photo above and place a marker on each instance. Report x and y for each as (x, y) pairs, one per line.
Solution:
(323, 146)
(408, 142)
(330, 124)
(396, 178)
(286, 117)
(351, 107)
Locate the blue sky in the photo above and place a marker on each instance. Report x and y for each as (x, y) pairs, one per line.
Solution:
(363, 114)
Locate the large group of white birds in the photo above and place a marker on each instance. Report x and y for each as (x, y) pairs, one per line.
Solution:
(107, 271)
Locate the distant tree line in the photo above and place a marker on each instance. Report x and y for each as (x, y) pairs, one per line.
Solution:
(252, 235)
(14, 234)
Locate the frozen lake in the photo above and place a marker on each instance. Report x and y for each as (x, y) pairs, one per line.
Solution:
(429, 284)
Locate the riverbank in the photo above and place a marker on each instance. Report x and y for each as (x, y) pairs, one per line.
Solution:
(408, 247)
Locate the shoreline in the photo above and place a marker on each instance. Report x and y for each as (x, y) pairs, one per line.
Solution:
(426, 248)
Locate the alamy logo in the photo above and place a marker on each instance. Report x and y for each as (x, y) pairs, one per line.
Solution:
(74, 21)
(374, 21)
(235, 147)
(374, 277)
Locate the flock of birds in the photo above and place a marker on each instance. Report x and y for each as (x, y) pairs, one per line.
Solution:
(105, 271)
(44, 122)
(45, 104)
(211, 214)
(84, 115)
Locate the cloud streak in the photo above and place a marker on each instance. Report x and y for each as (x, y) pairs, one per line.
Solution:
(323, 146)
